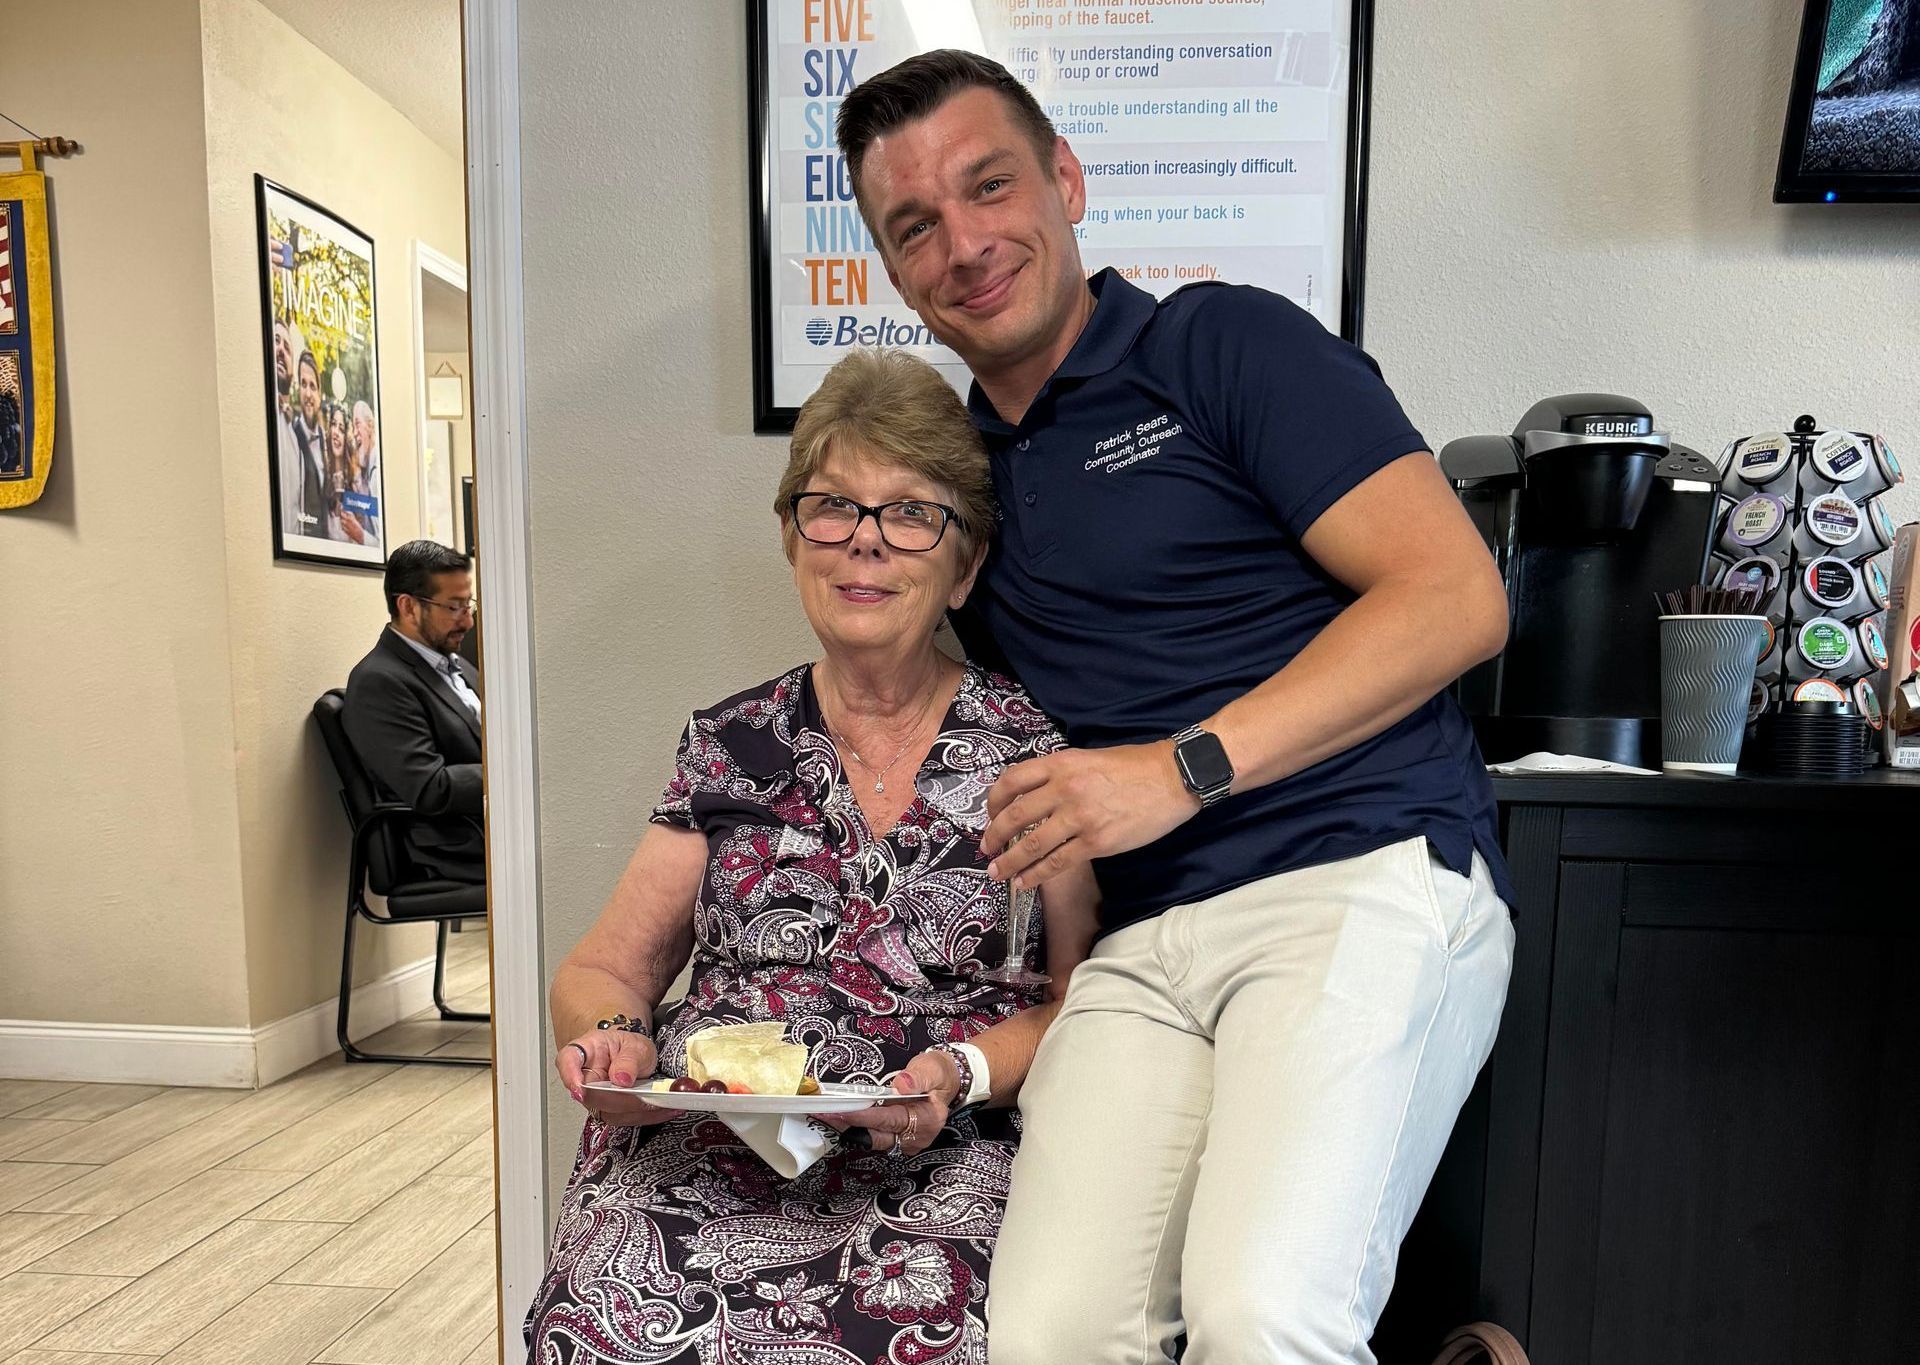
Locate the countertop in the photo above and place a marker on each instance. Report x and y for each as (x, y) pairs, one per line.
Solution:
(1879, 789)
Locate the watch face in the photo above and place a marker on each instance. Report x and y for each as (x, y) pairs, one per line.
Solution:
(1203, 763)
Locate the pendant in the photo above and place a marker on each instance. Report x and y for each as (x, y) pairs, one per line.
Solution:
(879, 787)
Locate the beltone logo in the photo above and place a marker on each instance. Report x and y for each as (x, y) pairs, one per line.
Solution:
(847, 330)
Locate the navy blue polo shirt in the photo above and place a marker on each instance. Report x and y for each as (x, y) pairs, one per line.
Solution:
(1149, 571)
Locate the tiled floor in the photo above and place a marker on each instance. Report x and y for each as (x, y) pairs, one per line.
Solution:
(343, 1215)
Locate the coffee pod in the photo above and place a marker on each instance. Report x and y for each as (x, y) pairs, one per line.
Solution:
(1757, 462)
(1756, 525)
(1770, 649)
(1866, 700)
(1837, 462)
(1874, 585)
(1829, 524)
(1763, 576)
(1876, 532)
(1872, 656)
(1759, 699)
(1827, 586)
(1822, 646)
(1886, 468)
(1815, 690)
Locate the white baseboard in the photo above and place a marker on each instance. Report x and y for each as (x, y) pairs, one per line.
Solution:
(299, 1040)
(235, 1058)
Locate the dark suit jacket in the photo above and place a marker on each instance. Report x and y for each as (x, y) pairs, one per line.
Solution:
(422, 745)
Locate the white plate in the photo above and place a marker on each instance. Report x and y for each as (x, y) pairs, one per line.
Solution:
(832, 1099)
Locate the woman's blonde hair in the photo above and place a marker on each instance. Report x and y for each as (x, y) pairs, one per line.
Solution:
(895, 409)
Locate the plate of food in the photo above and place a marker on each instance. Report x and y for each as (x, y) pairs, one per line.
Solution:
(752, 1069)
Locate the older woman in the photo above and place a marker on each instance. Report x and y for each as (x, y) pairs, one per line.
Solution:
(817, 855)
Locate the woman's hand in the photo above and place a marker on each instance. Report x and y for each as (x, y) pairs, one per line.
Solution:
(909, 1128)
(611, 1055)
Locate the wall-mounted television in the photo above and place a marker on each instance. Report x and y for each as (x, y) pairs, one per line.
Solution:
(1853, 120)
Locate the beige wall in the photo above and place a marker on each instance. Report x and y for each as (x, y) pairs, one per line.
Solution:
(119, 830)
(1571, 197)
(1562, 198)
(172, 851)
(658, 583)
(276, 105)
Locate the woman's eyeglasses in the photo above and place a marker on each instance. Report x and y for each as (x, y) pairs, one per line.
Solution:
(913, 525)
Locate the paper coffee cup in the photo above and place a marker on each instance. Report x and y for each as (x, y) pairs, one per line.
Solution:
(1706, 687)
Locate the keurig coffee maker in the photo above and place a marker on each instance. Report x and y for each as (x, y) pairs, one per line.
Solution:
(1589, 512)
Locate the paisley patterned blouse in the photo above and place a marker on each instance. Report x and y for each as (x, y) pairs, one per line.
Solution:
(677, 1242)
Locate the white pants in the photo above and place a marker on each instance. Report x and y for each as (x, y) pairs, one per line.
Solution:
(1232, 1121)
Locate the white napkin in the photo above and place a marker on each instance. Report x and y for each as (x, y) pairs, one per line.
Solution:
(787, 1142)
(1565, 763)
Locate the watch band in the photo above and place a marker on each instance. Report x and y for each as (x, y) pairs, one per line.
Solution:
(976, 1078)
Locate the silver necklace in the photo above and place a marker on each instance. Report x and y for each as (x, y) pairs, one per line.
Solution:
(880, 775)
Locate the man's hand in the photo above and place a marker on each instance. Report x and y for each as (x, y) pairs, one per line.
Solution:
(612, 1055)
(1087, 803)
(350, 527)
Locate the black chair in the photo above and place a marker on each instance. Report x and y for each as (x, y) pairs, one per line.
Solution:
(379, 863)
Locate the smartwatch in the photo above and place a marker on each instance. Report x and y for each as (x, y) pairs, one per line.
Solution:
(1204, 767)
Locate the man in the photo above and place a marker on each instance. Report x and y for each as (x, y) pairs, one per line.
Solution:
(413, 709)
(1231, 570)
(303, 470)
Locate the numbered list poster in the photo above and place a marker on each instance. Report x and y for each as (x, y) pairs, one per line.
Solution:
(1213, 134)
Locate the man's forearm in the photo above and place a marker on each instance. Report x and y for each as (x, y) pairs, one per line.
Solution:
(1395, 647)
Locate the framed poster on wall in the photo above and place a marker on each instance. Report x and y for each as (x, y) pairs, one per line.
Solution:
(1221, 139)
(317, 312)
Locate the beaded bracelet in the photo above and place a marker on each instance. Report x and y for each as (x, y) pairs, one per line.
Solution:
(965, 1068)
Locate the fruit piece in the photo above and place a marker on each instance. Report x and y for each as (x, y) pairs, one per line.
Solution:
(715, 1087)
(684, 1084)
(809, 1086)
(735, 1088)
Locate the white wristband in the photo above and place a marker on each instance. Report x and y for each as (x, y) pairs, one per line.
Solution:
(982, 1088)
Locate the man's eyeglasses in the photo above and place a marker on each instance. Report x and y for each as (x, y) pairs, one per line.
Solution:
(459, 605)
(913, 525)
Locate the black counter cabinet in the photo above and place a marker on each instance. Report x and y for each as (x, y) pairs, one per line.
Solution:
(1698, 1139)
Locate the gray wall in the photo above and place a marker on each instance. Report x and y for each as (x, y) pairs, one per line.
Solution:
(1563, 197)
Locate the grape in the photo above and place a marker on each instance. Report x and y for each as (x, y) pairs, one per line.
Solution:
(683, 1084)
(715, 1087)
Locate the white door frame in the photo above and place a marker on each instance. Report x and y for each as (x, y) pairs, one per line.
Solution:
(495, 311)
(426, 260)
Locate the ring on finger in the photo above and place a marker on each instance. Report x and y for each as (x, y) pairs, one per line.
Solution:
(584, 1059)
(913, 1125)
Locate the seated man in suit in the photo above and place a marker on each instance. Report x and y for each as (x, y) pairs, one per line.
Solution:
(413, 710)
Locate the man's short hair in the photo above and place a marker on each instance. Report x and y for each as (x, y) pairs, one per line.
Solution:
(895, 409)
(307, 358)
(411, 568)
(915, 88)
